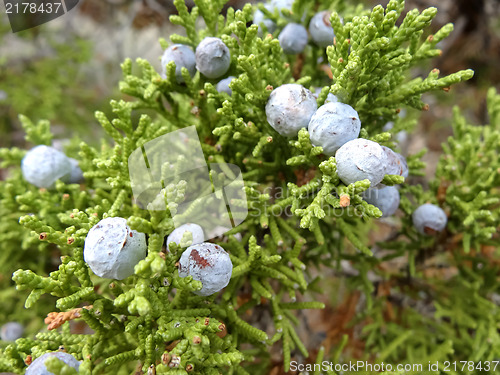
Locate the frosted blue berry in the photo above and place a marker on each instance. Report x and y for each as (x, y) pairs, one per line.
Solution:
(112, 249)
(272, 6)
(386, 199)
(76, 174)
(223, 85)
(37, 367)
(321, 29)
(212, 57)
(258, 19)
(282, 4)
(293, 38)
(208, 263)
(289, 109)
(177, 234)
(401, 137)
(396, 163)
(330, 98)
(183, 57)
(43, 165)
(361, 159)
(219, 232)
(332, 125)
(286, 4)
(429, 219)
(11, 331)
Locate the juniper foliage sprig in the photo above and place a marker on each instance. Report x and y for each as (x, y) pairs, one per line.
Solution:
(451, 285)
(468, 178)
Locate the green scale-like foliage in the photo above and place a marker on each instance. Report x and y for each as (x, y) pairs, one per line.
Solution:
(152, 321)
(469, 168)
(450, 313)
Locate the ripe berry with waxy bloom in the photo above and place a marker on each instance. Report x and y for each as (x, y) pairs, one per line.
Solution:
(386, 199)
(223, 85)
(293, 38)
(177, 234)
(429, 219)
(208, 263)
(329, 98)
(282, 4)
(76, 174)
(332, 125)
(11, 331)
(183, 57)
(361, 159)
(396, 163)
(212, 57)
(321, 29)
(43, 165)
(289, 109)
(258, 19)
(112, 249)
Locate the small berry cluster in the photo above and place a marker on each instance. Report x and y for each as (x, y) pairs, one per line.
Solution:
(112, 250)
(335, 127)
(293, 37)
(211, 58)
